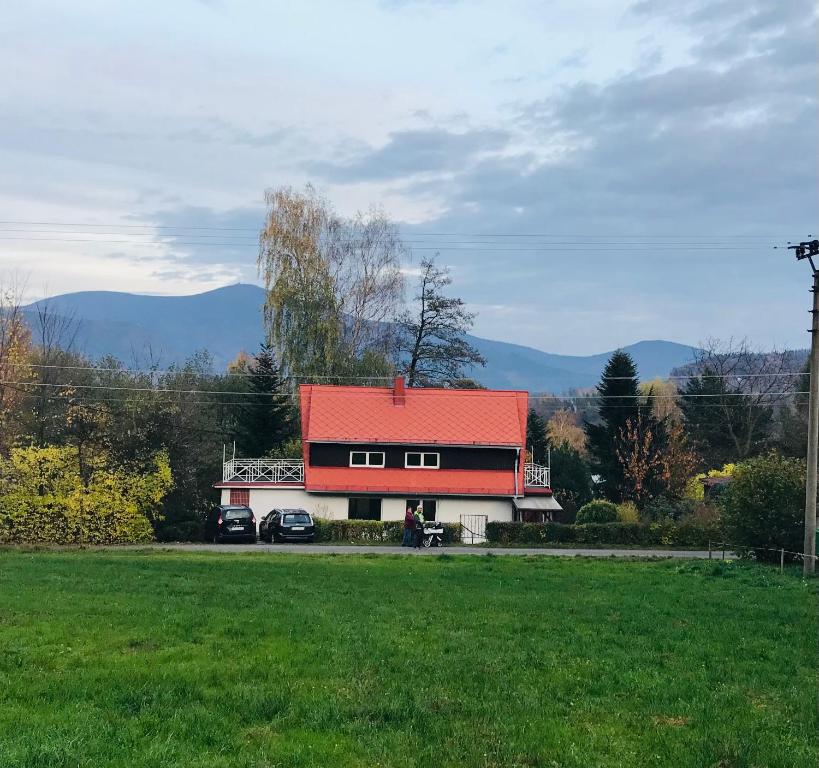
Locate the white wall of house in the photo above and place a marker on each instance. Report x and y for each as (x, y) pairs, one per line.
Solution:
(262, 500)
(449, 510)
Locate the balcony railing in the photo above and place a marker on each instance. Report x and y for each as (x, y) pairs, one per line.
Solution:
(276, 471)
(536, 476)
(291, 472)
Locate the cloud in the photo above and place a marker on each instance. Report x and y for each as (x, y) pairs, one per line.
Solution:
(414, 152)
(202, 235)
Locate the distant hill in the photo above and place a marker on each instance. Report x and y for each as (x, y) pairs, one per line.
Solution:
(168, 329)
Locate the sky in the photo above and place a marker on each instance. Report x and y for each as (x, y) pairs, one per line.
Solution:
(593, 172)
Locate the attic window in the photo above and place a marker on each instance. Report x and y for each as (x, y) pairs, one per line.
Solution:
(366, 458)
(414, 460)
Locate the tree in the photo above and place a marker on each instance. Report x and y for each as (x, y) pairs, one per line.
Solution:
(562, 429)
(570, 478)
(639, 451)
(15, 353)
(432, 346)
(619, 402)
(661, 395)
(763, 507)
(536, 437)
(265, 418)
(332, 284)
(728, 405)
(54, 335)
(793, 418)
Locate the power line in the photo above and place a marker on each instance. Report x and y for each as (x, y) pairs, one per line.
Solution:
(574, 241)
(370, 392)
(307, 379)
(72, 399)
(546, 248)
(415, 233)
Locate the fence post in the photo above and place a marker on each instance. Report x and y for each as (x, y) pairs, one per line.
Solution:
(709, 549)
(781, 560)
(723, 550)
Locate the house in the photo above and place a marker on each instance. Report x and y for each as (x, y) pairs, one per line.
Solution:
(370, 452)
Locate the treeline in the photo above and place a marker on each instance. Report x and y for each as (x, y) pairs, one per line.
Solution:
(666, 449)
(140, 445)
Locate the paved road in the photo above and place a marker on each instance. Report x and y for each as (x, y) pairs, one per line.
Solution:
(348, 549)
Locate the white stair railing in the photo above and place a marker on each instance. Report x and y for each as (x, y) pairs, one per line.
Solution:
(536, 476)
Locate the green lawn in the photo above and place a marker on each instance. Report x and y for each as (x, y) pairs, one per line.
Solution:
(181, 659)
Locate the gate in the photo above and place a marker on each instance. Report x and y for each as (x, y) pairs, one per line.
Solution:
(473, 529)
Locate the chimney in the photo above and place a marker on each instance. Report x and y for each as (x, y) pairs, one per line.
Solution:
(399, 393)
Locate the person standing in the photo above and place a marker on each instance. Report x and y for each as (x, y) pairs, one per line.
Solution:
(419, 526)
(409, 527)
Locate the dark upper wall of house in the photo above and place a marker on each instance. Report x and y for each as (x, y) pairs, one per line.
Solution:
(338, 455)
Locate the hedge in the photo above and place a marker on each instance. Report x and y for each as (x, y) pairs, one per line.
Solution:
(368, 531)
(669, 534)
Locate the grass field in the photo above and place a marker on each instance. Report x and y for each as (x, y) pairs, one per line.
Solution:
(177, 659)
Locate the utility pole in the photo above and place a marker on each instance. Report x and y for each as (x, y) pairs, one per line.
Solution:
(807, 251)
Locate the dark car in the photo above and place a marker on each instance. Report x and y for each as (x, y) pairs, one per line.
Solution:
(230, 522)
(287, 525)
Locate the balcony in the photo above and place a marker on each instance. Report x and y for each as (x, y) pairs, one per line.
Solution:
(273, 471)
(291, 472)
(536, 476)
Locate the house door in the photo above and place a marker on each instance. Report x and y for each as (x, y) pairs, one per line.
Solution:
(473, 529)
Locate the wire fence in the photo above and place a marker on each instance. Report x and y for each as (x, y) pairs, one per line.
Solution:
(727, 548)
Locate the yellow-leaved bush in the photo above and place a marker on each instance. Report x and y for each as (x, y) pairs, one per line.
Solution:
(45, 498)
(694, 488)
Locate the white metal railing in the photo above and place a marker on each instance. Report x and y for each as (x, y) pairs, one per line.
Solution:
(264, 471)
(536, 476)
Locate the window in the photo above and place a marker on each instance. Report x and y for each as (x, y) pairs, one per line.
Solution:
(422, 460)
(236, 514)
(429, 506)
(298, 518)
(240, 496)
(364, 509)
(366, 458)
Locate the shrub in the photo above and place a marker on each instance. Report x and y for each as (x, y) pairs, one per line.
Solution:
(627, 512)
(45, 499)
(664, 508)
(529, 533)
(694, 488)
(373, 531)
(597, 511)
(666, 534)
(764, 505)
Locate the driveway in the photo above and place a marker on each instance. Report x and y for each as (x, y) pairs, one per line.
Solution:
(363, 549)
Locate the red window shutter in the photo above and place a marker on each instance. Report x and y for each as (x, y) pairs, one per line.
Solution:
(240, 496)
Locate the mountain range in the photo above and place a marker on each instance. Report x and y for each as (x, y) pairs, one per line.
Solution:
(162, 330)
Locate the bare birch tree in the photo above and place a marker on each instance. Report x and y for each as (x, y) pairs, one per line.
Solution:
(333, 285)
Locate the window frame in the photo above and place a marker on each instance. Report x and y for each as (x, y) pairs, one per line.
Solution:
(242, 496)
(372, 501)
(367, 459)
(422, 455)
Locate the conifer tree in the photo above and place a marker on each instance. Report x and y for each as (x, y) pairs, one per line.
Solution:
(266, 420)
(619, 402)
(536, 436)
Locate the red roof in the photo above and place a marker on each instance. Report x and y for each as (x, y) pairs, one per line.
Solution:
(427, 416)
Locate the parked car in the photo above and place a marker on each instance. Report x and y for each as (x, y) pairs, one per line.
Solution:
(287, 525)
(230, 522)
